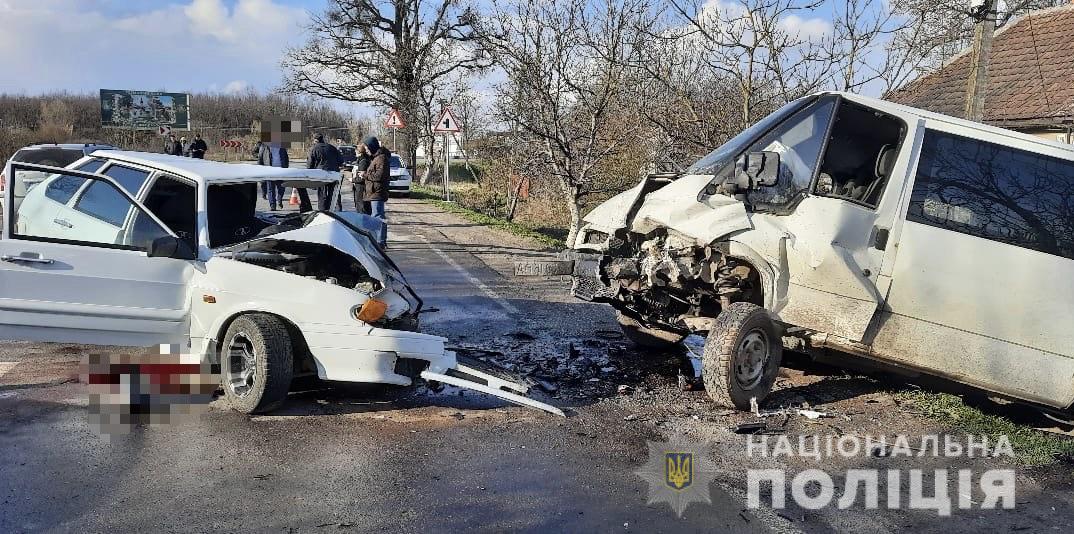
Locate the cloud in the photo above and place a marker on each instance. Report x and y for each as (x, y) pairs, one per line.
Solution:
(80, 45)
(812, 29)
(236, 86)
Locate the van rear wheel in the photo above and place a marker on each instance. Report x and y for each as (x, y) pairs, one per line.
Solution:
(742, 356)
(650, 338)
(256, 363)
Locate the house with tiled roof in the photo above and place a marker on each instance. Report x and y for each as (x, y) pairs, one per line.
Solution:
(1030, 79)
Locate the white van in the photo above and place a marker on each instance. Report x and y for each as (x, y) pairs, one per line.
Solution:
(930, 243)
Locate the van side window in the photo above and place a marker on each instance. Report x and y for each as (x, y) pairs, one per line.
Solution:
(995, 192)
(861, 153)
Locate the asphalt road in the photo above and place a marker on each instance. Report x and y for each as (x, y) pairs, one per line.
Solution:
(355, 457)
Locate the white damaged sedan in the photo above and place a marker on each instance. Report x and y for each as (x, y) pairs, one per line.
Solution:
(139, 249)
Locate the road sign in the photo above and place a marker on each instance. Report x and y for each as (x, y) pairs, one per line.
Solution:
(447, 123)
(230, 143)
(164, 130)
(395, 120)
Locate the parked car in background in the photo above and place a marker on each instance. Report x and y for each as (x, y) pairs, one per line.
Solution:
(348, 154)
(53, 155)
(400, 178)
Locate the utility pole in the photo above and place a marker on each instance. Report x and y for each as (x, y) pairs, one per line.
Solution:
(984, 11)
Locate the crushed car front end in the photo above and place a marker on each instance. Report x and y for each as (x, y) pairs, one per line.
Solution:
(661, 262)
(354, 313)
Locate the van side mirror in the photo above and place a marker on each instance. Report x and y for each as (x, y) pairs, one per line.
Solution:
(171, 247)
(761, 169)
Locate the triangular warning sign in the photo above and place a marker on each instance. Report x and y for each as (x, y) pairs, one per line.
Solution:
(395, 120)
(447, 123)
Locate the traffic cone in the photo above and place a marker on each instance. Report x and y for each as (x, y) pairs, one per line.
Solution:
(294, 197)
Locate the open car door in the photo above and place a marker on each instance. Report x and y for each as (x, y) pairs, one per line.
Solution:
(75, 265)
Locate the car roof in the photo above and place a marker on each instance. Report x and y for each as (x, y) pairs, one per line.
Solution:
(69, 146)
(207, 171)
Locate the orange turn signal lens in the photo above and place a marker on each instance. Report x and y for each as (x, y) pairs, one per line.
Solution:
(371, 311)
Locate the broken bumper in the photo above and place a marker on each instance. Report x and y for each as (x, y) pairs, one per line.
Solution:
(481, 377)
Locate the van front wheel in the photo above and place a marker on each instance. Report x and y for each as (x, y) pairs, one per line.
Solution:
(742, 356)
(256, 363)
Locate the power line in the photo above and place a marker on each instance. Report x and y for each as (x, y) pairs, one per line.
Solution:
(1040, 72)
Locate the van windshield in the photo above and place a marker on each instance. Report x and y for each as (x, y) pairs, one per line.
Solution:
(728, 151)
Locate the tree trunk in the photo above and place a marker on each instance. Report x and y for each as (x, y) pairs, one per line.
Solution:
(512, 198)
(575, 208)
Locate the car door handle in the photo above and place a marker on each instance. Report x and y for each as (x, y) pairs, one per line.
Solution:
(63, 222)
(26, 259)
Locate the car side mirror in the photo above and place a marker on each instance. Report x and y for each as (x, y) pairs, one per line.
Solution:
(760, 169)
(171, 247)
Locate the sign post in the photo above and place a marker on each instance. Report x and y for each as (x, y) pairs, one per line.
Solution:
(395, 122)
(447, 125)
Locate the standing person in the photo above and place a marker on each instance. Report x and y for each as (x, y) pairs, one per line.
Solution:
(376, 179)
(198, 148)
(256, 151)
(361, 205)
(185, 145)
(173, 146)
(274, 155)
(325, 157)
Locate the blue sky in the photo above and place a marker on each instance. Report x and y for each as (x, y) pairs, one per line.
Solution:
(174, 45)
(178, 45)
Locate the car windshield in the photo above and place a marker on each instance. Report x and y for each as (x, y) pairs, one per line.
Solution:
(395, 162)
(51, 156)
(711, 163)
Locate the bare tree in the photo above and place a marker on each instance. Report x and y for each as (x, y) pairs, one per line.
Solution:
(384, 52)
(565, 63)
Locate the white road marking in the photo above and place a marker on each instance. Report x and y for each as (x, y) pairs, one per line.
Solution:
(7, 366)
(488, 291)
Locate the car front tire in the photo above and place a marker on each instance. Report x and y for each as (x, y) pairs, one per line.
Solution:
(742, 356)
(256, 363)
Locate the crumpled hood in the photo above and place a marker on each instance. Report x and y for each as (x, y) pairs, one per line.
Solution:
(674, 206)
(351, 234)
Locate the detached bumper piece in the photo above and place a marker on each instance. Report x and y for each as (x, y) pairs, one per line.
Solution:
(478, 376)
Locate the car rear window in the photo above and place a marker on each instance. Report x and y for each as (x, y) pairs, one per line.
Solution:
(130, 179)
(102, 201)
(63, 188)
(92, 165)
(53, 157)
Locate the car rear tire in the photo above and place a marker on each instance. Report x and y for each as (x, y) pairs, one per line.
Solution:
(643, 336)
(256, 363)
(742, 356)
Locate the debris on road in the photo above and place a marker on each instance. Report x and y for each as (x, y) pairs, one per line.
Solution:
(813, 414)
(749, 427)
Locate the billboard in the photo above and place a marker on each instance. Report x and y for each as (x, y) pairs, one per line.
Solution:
(144, 110)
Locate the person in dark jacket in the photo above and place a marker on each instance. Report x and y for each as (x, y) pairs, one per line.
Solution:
(274, 155)
(376, 180)
(325, 157)
(198, 147)
(173, 146)
(256, 152)
(358, 182)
